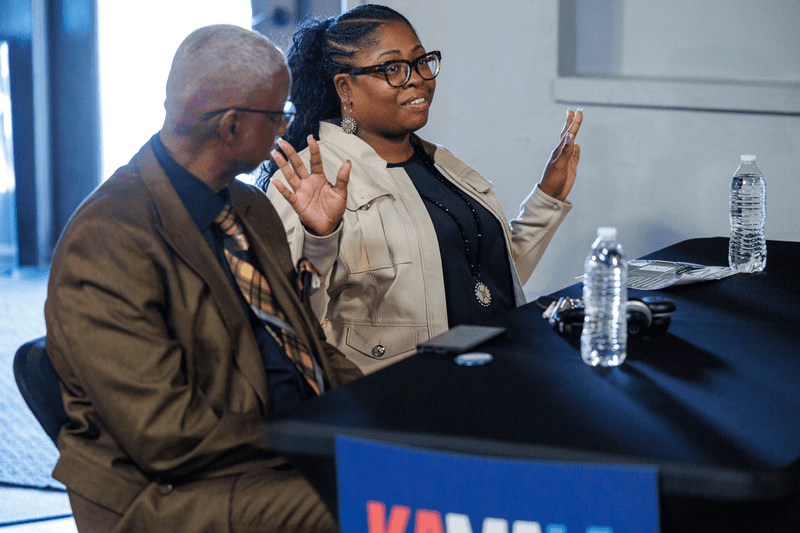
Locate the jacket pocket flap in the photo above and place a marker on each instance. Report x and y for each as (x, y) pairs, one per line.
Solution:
(383, 342)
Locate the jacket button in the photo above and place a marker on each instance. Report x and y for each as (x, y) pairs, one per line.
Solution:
(378, 351)
(165, 489)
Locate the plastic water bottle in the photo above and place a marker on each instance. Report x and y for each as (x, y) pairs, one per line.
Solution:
(605, 296)
(748, 246)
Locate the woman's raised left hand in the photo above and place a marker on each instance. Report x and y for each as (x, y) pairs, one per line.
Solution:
(559, 173)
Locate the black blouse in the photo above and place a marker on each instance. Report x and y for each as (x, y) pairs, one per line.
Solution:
(463, 306)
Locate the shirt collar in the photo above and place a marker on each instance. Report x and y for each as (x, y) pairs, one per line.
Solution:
(199, 199)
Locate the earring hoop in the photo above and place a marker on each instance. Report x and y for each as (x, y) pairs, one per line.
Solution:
(349, 124)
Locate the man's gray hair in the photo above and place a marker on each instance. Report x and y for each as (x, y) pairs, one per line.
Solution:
(215, 67)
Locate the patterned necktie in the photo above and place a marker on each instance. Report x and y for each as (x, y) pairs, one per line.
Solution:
(258, 294)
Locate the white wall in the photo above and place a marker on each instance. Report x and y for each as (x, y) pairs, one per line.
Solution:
(660, 176)
(723, 39)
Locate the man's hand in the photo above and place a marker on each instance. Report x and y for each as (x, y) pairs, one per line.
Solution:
(559, 173)
(319, 204)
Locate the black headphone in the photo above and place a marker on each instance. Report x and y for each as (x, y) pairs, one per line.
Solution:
(648, 316)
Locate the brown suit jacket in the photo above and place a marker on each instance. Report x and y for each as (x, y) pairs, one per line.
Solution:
(161, 374)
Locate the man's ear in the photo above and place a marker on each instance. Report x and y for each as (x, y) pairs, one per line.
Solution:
(228, 127)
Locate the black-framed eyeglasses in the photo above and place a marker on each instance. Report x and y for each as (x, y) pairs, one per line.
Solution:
(279, 118)
(398, 71)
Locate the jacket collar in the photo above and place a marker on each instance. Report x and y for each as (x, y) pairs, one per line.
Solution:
(372, 182)
(352, 144)
(371, 185)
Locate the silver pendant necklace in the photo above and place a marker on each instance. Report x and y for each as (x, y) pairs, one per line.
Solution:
(482, 292)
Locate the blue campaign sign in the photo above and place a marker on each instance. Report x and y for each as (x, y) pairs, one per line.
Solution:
(395, 489)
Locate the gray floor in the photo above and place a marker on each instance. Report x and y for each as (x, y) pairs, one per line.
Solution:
(62, 525)
(22, 296)
(26, 509)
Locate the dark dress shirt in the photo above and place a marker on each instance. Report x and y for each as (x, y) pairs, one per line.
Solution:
(287, 386)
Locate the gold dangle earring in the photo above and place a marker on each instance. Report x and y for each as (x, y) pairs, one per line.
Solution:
(349, 125)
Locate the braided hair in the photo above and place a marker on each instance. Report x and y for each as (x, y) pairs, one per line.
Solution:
(321, 49)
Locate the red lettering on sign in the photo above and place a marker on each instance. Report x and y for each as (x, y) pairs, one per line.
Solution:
(398, 518)
(427, 521)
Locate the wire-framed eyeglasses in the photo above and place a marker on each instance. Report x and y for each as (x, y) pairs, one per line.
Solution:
(398, 71)
(278, 118)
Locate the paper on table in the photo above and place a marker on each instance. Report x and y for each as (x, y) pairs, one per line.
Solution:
(655, 274)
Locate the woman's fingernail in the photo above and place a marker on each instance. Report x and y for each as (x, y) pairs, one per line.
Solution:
(568, 140)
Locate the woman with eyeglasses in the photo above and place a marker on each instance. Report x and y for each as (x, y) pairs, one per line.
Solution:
(409, 240)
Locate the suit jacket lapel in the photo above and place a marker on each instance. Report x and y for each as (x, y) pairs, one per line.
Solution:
(181, 233)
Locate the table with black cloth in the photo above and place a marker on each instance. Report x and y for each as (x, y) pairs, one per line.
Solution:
(714, 404)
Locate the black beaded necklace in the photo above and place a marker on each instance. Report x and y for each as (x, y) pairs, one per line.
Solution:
(482, 292)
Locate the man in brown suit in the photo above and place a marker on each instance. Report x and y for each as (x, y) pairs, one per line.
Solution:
(167, 373)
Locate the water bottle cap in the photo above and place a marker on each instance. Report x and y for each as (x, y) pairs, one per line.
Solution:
(748, 158)
(607, 232)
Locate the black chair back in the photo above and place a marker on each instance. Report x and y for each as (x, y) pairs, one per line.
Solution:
(38, 383)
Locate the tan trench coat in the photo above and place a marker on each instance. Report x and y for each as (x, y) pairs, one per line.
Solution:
(383, 283)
